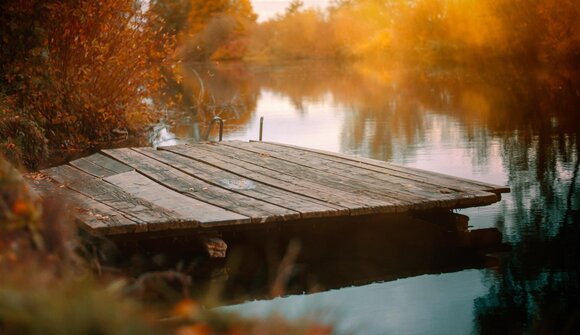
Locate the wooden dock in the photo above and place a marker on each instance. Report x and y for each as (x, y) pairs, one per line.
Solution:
(212, 186)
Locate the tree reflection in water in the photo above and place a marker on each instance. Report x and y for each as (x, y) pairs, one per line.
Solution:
(531, 113)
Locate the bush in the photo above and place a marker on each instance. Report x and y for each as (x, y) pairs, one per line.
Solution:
(81, 69)
(67, 306)
(22, 142)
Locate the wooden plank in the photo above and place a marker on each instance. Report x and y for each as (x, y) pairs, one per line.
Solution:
(452, 181)
(443, 184)
(290, 186)
(189, 212)
(215, 176)
(448, 198)
(358, 203)
(259, 211)
(377, 183)
(373, 190)
(361, 168)
(108, 164)
(153, 216)
(94, 217)
(91, 168)
(243, 184)
(100, 219)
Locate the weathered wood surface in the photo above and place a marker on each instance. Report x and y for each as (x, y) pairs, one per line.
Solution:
(243, 185)
(412, 173)
(181, 182)
(211, 185)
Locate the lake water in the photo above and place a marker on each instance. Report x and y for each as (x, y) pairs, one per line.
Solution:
(498, 123)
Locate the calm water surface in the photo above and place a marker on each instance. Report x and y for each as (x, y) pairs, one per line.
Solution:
(498, 124)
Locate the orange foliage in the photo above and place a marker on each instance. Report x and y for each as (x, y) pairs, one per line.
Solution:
(185, 308)
(190, 319)
(426, 31)
(297, 35)
(195, 329)
(20, 208)
(207, 29)
(86, 67)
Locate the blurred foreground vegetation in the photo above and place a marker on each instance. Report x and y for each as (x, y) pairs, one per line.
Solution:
(51, 281)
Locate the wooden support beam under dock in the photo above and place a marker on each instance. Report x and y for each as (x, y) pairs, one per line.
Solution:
(211, 186)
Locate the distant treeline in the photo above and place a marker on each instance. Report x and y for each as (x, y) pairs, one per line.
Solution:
(420, 31)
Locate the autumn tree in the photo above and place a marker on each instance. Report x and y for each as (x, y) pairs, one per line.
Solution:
(541, 30)
(80, 70)
(172, 15)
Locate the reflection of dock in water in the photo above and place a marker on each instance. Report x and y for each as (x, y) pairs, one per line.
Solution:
(215, 187)
(336, 253)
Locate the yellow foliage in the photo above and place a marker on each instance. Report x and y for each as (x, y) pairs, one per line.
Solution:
(473, 23)
(202, 28)
(426, 31)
